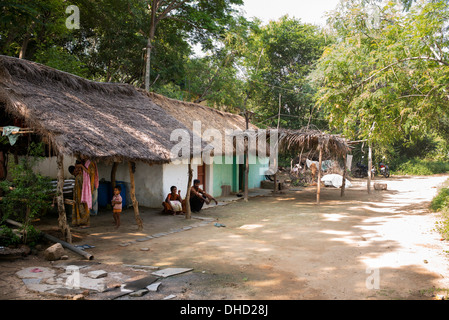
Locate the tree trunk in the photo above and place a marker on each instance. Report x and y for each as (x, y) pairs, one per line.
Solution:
(318, 183)
(150, 45)
(370, 164)
(343, 182)
(189, 184)
(24, 47)
(133, 198)
(147, 66)
(62, 219)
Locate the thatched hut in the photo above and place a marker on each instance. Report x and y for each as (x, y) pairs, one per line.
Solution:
(333, 145)
(104, 122)
(228, 165)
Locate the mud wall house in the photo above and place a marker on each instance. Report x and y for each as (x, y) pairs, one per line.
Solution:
(108, 123)
(226, 169)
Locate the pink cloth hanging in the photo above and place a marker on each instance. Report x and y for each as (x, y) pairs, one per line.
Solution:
(86, 192)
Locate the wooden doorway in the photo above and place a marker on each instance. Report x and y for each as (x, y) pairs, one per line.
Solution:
(202, 176)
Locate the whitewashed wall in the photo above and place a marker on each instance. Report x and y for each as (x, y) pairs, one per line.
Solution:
(177, 175)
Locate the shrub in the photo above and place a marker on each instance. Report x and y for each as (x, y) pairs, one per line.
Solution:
(443, 226)
(421, 167)
(441, 200)
(26, 196)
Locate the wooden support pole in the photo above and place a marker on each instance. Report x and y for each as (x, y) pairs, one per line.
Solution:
(189, 185)
(133, 197)
(343, 182)
(370, 164)
(62, 219)
(246, 140)
(318, 183)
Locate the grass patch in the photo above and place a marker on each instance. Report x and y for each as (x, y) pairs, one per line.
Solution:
(440, 203)
(441, 200)
(421, 167)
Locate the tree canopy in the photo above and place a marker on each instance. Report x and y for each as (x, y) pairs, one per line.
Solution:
(387, 80)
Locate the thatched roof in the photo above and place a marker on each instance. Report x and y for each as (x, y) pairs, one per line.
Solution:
(188, 112)
(103, 121)
(312, 139)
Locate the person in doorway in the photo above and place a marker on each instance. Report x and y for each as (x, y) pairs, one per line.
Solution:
(173, 203)
(117, 206)
(198, 197)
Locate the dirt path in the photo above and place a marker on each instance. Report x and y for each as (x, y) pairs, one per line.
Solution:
(364, 246)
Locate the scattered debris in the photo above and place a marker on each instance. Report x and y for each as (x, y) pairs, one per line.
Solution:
(54, 252)
(84, 246)
(171, 296)
(219, 225)
(97, 274)
(135, 266)
(170, 272)
(138, 293)
(28, 273)
(154, 286)
(140, 283)
(380, 186)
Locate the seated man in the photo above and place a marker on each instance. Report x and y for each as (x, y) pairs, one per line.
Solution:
(198, 197)
(174, 204)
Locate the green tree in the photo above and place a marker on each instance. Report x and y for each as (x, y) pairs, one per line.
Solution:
(280, 56)
(199, 19)
(388, 80)
(30, 26)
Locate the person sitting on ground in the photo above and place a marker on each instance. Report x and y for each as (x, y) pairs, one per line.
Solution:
(173, 203)
(198, 197)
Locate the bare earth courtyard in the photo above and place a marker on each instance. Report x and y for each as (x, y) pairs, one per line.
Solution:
(381, 245)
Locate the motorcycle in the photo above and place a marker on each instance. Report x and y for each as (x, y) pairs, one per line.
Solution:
(384, 170)
(361, 170)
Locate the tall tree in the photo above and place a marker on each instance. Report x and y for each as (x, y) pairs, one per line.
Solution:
(279, 58)
(30, 26)
(199, 17)
(387, 81)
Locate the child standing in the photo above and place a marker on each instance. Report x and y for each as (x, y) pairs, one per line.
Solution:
(117, 206)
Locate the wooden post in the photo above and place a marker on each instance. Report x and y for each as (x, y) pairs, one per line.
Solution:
(343, 182)
(246, 148)
(133, 197)
(62, 218)
(318, 184)
(275, 160)
(370, 164)
(113, 172)
(189, 185)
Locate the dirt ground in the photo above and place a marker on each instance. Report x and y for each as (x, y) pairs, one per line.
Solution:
(381, 245)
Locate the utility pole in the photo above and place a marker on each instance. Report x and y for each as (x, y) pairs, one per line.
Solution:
(275, 161)
(248, 115)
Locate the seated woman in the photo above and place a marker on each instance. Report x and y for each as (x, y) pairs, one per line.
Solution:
(198, 197)
(174, 204)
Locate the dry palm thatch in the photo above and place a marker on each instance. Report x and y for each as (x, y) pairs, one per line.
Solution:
(211, 119)
(103, 121)
(312, 139)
